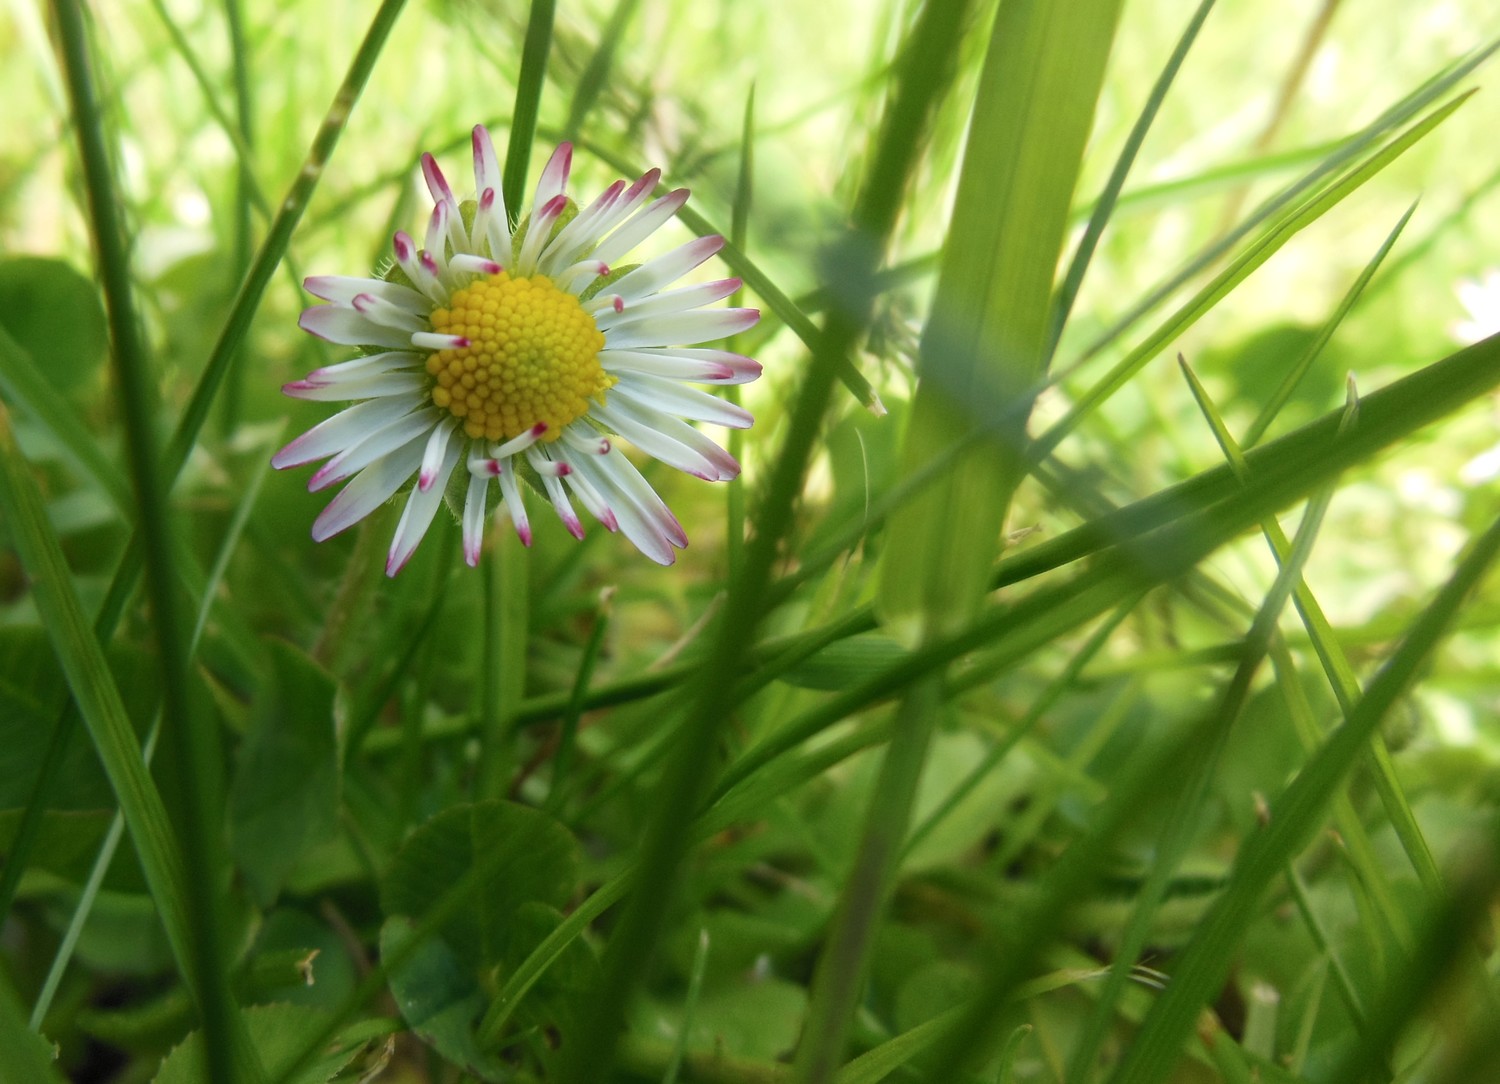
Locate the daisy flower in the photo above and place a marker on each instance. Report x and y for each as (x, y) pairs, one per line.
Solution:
(497, 358)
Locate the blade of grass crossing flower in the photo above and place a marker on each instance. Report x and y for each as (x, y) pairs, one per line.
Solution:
(1294, 817)
(739, 229)
(1062, 303)
(534, 50)
(1253, 257)
(985, 344)
(189, 734)
(922, 79)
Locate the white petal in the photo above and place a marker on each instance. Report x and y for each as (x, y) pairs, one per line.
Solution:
(633, 197)
(702, 366)
(491, 230)
(474, 517)
(453, 221)
(435, 455)
(515, 506)
(367, 492)
(580, 234)
(673, 301)
(369, 365)
(538, 233)
(416, 517)
(359, 386)
(349, 328)
(645, 528)
(410, 262)
(344, 430)
(680, 328)
(673, 398)
(674, 442)
(487, 169)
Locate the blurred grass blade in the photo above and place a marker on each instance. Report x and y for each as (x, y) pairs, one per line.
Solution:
(985, 345)
(23, 384)
(923, 78)
(591, 82)
(1201, 966)
(1104, 206)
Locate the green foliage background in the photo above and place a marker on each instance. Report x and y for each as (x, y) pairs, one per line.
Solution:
(1087, 680)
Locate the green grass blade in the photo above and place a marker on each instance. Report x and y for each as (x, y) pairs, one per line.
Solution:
(1257, 254)
(188, 732)
(985, 345)
(533, 76)
(1294, 817)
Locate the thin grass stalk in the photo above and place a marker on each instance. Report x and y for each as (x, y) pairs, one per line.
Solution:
(503, 663)
(739, 231)
(562, 762)
(185, 437)
(1294, 815)
(685, 783)
(529, 85)
(841, 967)
(189, 732)
(245, 187)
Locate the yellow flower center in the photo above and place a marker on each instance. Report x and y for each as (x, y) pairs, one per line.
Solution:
(533, 356)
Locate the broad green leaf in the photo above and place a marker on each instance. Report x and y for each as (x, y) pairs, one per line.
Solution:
(277, 1032)
(530, 856)
(28, 1058)
(285, 793)
(987, 340)
(54, 314)
(439, 997)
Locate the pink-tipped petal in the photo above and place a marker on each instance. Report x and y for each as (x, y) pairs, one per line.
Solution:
(554, 179)
(432, 340)
(367, 492)
(340, 432)
(474, 516)
(421, 505)
(684, 299)
(656, 393)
